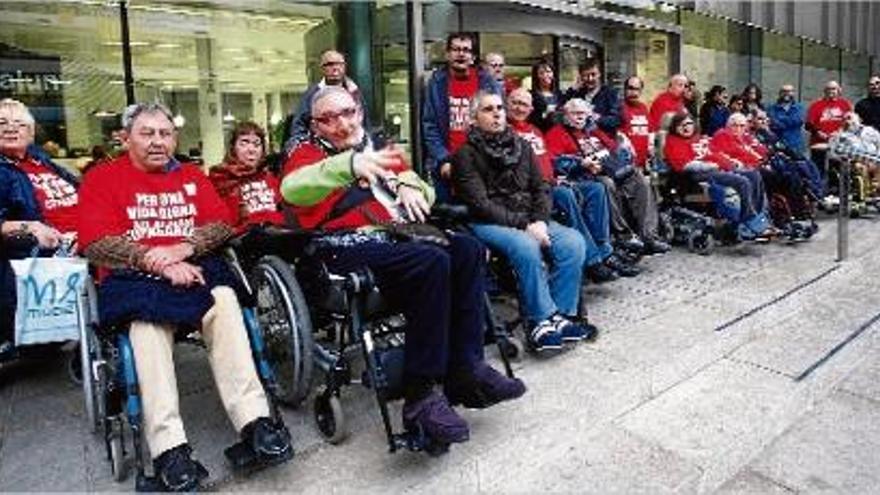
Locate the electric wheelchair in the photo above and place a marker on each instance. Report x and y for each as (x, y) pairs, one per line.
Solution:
(337, 322)
(113, 402)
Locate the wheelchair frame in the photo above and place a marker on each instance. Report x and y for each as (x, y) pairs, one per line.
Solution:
(112, 395)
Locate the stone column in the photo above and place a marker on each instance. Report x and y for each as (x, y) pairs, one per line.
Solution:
(210, 119)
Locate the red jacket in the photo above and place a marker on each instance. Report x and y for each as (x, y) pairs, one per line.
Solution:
(827, 116)
(635, 126)
(679, 151)
(742, 149)
(534, 137)
(665, 103)
(311, 217)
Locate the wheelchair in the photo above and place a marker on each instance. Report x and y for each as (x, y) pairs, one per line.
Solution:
(345, 320)
(863, 195)
(113, 402)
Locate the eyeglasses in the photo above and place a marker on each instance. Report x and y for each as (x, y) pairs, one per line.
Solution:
(14, 124)
(496, 65)
(461, 49)
(687, 122)
(633, 88)
(328, 118)
(332, 63)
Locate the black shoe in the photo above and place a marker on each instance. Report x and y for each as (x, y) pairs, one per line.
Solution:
(621, 268)
(633, 245)
(656, 246)
(270, 441)
(627, 257)
(177, 471)
(600, 273)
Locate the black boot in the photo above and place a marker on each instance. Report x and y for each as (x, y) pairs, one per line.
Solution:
(176, 471)
(269, 440)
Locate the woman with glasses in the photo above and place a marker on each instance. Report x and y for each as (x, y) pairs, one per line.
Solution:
(687, 152)
(38, 205)
(546, 96)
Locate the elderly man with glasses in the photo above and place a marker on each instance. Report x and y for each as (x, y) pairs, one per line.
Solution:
(331, 182)
(333, 67)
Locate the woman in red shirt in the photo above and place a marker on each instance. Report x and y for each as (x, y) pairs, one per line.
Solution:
(249, 190)
(687, 152)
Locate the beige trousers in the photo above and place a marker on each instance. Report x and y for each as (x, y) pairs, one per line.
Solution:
(229, 354)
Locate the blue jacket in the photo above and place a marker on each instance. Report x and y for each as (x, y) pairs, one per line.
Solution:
(606, 103)
(712, 118)
(788, 124)
(435, 115)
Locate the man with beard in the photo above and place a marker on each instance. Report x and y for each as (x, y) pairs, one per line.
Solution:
(332, 182)
(497, 176)
(603, 98)
(868, 108)
(787, 119)
(445, 107)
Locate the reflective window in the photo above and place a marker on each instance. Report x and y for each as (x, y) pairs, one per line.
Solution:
(63, 61)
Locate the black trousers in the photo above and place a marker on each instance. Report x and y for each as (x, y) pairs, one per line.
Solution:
(439, 290)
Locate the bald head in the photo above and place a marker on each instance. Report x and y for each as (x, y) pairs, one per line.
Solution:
(677, 84)
(333, 67)
(519, 105)
(832, 90)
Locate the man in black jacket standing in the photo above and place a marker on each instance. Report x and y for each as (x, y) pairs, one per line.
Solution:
(868, 108)
(496, 175)
(603, 98)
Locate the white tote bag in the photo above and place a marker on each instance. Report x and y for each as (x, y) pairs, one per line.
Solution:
(49, 304)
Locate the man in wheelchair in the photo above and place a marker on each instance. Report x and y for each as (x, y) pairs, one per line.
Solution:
(38, 205)
(497, 176)
(152, 224)
(342, 185)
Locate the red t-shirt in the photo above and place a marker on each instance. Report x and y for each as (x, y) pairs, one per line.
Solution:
(827, 116)
(310, 217)
(57, 197)
(535, 138)
(252, 199)
(679, 151)
(635, 126)
(153, 209)
(665, 103)
(738, 148)
(460, 93)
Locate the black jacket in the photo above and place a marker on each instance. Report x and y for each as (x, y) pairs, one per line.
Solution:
(606, 103)
(868, 110)
(513, 196)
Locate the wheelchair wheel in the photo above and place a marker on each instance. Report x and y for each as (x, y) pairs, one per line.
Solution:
(287, 327)
(512, 348)
(116, 452)
(701, 243)
(330, 417)
(89, 352)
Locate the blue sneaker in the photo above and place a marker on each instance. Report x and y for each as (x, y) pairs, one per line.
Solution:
(545, 337)
(569, 330)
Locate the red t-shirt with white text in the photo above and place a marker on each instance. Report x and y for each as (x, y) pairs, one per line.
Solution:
(57, 197)
(153, 209)
(635, 126)
(535, 138)
(460, 93)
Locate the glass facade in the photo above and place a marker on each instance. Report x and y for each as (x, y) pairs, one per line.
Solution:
(215, 62)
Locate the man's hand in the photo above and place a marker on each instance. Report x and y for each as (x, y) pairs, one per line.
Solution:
(446, 171)
(591, 165)
(414, 202)
(183, 274)
(47, 237)
(538, 230)
(158, 258)
(371, 164)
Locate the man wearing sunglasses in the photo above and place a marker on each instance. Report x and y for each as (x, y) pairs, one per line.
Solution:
(445, 107)
(333, 67)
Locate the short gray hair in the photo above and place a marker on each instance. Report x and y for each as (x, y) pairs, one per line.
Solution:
(737, 117)
(329, 91)
(132, 112)
(19, 109)
(577, 104)
(474, 107)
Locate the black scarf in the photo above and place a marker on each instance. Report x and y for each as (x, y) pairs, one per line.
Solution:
(503, 148)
